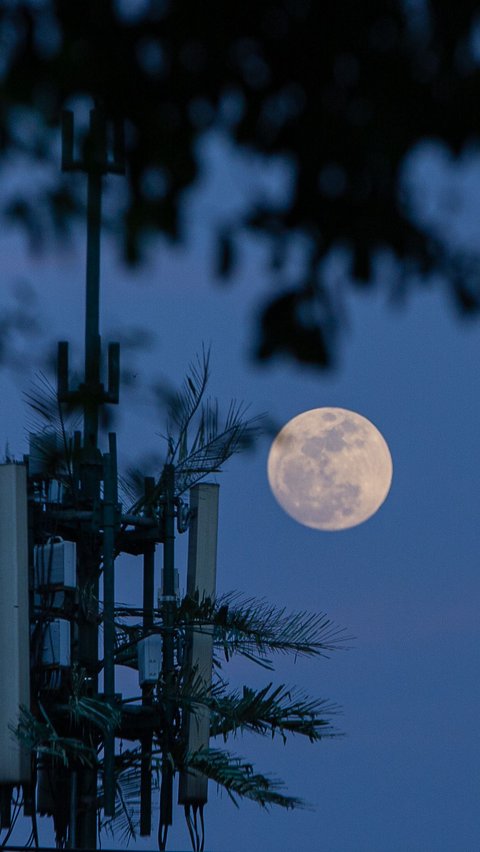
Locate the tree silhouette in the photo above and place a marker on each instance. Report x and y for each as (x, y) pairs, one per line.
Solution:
(65, 728)
(343, 91)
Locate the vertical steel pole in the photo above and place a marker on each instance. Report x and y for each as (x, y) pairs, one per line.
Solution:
(72, 828)
(168, 662)
(148, 603)
(92, 305)
(91, 466)
(109, 532)
(148, 567)
(88, 469)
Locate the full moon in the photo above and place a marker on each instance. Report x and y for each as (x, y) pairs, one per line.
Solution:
(330, 468)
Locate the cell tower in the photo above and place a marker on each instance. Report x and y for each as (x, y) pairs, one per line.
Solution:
(61, 529)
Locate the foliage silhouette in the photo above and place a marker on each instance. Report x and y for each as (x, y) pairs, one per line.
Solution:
(65, 728)
(343, 92)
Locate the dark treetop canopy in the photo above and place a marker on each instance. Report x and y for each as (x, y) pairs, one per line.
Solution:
(342, 90)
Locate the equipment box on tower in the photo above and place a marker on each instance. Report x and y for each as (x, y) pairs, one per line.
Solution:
(55, 564)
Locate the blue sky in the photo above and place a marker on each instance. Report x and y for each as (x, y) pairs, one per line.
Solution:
(405, 584)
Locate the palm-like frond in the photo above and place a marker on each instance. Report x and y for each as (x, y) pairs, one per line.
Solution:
(131, 486)
(187, 690)
(43, 738)
(199, 440)
(42, 398)
(127, 637)
(214, 443)
(239, 779)
(99, 713)
(256, 629)
(270, 711)
(184, 406)
(127, 796)
(126, 817)
(267, 711)
(52, 417)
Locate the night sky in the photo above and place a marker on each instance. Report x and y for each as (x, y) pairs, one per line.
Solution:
(405, 585)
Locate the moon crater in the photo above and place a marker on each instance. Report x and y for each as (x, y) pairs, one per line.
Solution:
(330, 468)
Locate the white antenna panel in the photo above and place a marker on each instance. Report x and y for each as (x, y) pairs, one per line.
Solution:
(55, 564)
(201, 580)
(14, 621)
(56, 644)
(149, 652)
